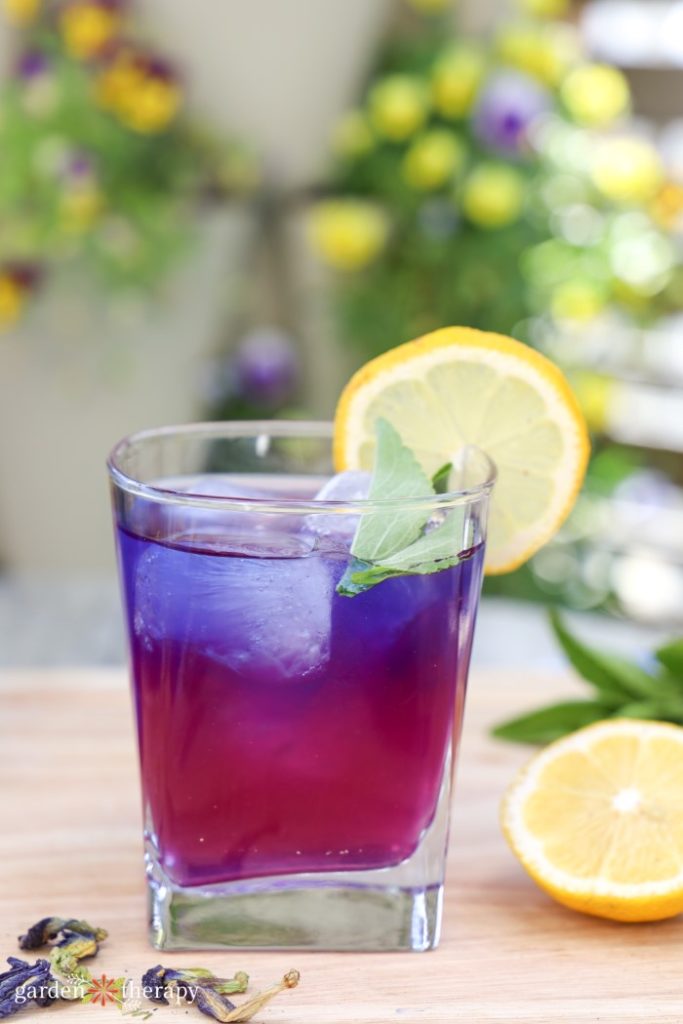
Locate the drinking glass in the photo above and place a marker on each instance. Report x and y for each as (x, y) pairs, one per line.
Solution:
(296, 744)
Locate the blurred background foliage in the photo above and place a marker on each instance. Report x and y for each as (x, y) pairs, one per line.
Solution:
(500, 186)
(100, 163)
(504, 184)
(506, 179)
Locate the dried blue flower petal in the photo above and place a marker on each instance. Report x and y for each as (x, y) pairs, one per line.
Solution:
(211, 1003)
(71, 941)
(41, 933)
(207, 992)
(153, 984)
(195, 984)
(62, 932)
(24, 984)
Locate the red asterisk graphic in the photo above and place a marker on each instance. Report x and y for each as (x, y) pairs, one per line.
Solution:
(103, 990)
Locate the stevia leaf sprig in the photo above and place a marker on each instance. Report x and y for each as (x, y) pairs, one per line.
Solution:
(623, 689)
(394, 542)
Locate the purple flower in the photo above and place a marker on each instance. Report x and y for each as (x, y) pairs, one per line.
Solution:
(507, 107)
(265, 366)
(158, 68)
(78, 166)
(27, 276)
(32, 64)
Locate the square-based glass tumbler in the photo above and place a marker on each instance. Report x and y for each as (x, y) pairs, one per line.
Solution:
(296, 745)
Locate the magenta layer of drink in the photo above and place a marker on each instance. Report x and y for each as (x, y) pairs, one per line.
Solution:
(285, 728)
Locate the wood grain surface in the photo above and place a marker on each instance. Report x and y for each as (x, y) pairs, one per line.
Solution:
(70, 845)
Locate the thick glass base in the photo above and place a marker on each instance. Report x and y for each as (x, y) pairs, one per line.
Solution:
(391, 908)
(296, 912)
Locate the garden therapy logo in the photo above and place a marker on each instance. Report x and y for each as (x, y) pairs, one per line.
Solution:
(104, 991)
(121, 993)
(128, 996)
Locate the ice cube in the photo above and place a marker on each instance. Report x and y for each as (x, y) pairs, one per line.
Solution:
(217, 485)
(265, 618)
(352, 485)
(335, 531)
(217, 526)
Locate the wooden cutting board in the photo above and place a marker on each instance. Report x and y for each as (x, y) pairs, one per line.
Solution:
(70, 846)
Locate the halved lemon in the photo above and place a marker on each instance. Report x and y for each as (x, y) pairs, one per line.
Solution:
(597, 820)
(460, 386)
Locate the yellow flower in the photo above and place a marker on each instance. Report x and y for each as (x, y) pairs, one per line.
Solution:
(87, 28)
(595, 393)
(399, 106)
(627, 170)
(121, 79)
(11, 300)
(152, 106)
(430, 6)
(143, 101)
(544, 51)
(577, 299)
(21, 12)
(455, 81)
(433, 159)
(353, 136)
(667, 207)
(80, 207)
(493, 196)
(595, 94)
(348, 233)
(545, 8)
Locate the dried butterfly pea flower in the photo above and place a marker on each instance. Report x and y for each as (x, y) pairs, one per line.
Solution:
(73, 979)
(229, 986)
(209, 994)
(252, 1006)
(62, 931)
(24, 984)
(71, 940)
(40, 933)
(211, 1003)
(196, 984)
(153, 984)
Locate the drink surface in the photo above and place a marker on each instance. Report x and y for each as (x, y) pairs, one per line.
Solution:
(284, 728)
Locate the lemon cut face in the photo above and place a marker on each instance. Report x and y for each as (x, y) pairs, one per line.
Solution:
(597, 820)
(457, 387)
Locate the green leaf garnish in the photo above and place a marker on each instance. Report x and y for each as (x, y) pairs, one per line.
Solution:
(392, 543)
(624, 690)
(430, 553)
(441, 478)
(397, 475)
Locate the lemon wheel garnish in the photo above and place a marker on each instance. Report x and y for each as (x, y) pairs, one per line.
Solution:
(460, 386)
(597, 820)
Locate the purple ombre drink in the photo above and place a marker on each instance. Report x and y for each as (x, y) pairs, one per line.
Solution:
(284, 728)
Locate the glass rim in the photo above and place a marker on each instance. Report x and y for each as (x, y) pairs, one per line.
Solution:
(233, 429)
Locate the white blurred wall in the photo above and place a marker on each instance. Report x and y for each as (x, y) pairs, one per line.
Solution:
(276, 72)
